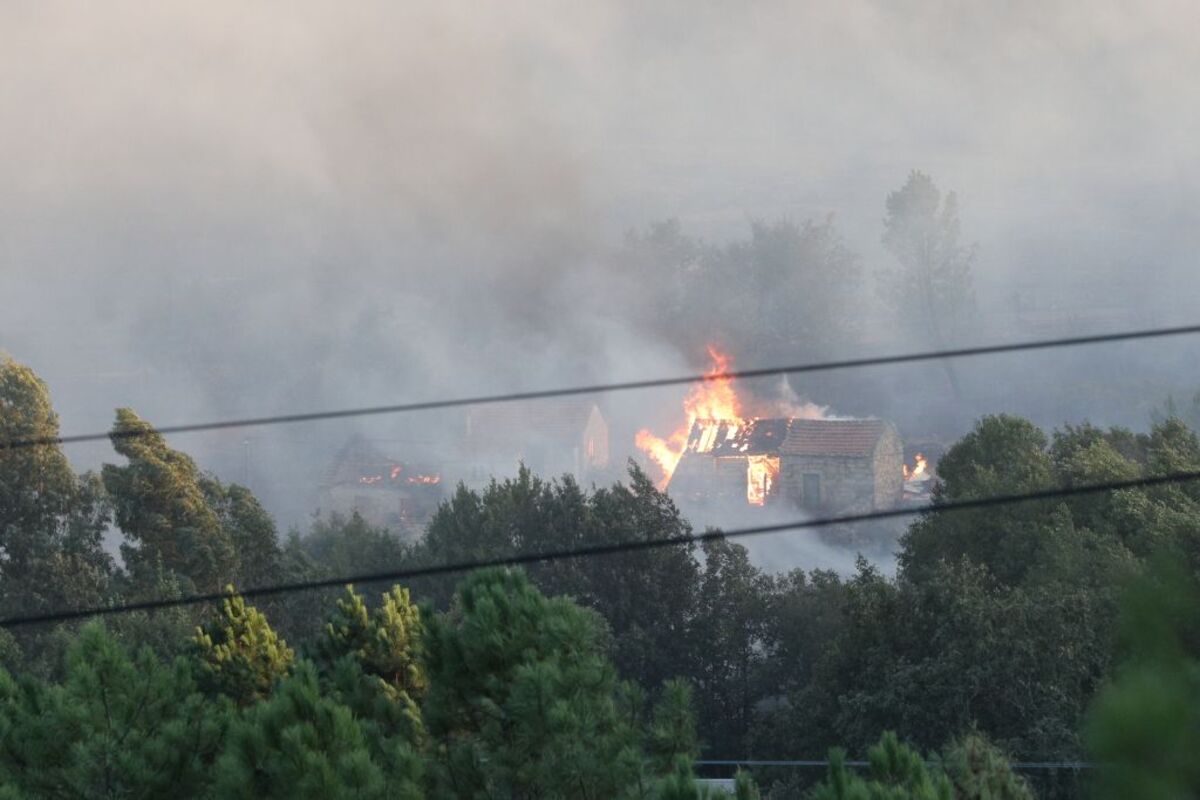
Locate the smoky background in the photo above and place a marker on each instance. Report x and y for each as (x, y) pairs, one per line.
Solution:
(224, 210)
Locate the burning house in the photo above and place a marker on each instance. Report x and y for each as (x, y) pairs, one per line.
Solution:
(551, 437)
(796, 455)
(401, 496)
(816, 464)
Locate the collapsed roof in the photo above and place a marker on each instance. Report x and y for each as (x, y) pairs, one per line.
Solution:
(848, 438)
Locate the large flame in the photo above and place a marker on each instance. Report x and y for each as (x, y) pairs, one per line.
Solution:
(917, 473)
(713, 398)
(761, 472)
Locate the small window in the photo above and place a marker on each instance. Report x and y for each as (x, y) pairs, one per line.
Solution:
(812, 490)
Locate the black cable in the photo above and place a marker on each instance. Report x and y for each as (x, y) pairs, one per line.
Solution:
(599, 388)
(605, 549)
(812, 762)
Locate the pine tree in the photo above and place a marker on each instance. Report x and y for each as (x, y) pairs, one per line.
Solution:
(672, 731)
(897, 772)
(117, 727)
(240, 656)
(979, 771)
(384, 679)
(521, 699)
(301, 745)
(744, 787)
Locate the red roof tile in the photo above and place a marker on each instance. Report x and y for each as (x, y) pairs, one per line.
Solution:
(833, 437)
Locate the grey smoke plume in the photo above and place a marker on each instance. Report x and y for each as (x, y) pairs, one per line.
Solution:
(209, 210)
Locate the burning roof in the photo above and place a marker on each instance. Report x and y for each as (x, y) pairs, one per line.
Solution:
(851, 438)
(732, 437)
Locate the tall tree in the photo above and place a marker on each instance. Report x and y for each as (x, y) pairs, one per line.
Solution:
(931, 288)
(250, 529)
(1144, 728)
(161, 507)
(240, 656)
(897, 772)
(1001, 455)
(374, 659)
(51, 521)
(303, 744)
(522, 699)
(647, 597)
(119, 726)
(728, 633)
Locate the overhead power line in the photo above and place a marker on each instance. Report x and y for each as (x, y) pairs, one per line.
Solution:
(1017, 765)
(604, 549)
(602, 388)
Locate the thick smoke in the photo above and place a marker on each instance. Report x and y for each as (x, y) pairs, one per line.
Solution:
(225, 209)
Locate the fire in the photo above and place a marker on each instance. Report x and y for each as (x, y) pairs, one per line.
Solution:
(425, 479)
(713, 398)
(918, 471)
(761, 472)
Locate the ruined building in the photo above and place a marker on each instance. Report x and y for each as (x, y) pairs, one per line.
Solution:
(388, 493)
(821, 465)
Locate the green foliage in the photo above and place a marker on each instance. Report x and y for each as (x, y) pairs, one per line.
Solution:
(386, 679)
(36, 483)
(386, 644)
(250, 529)
(1001, 455)
(521, 698)
(52, 522)
(168, 631)
(897, 772)
(979, 771)
(934, 658)
(1144, 726)
(301, 744)
(648, 598)
(117, 727)
(161, 507)
(240, 656)
(671, 736)
(680, 784)
(744, 787)
(728, 631)
(348, 545)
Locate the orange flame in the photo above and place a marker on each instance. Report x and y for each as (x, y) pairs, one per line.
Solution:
(425, 479)
(713, 398)
(761, 472)
(918, 470)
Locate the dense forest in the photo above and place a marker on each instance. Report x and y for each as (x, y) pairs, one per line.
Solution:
(1057, 630)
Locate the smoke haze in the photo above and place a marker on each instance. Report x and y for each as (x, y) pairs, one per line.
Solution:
(225, 209)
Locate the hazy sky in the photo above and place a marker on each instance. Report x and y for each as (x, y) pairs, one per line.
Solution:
(220, 208)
